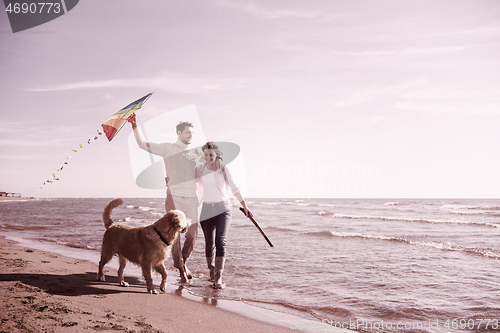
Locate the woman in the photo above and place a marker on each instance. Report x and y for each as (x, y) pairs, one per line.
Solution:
(215, 218)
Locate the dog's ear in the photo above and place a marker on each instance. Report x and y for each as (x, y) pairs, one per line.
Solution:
(176, 220)
(173, 216)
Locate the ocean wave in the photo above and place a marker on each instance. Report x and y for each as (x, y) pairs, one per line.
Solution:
(481, 207)
(143, 208)
(314, 311)
(328, 205)
(279, 228)
(297, 203)
(133, 222)
(454, 206)
(463, 212)
(405, 219)
(160, 214)
(437, 245)
(76, 246)
(20, 227)
(69, 244)
(335, 311)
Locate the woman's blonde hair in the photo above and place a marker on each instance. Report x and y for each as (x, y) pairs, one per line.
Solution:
(213, 146)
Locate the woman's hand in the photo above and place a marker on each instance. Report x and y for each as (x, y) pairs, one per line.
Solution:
(248, 213)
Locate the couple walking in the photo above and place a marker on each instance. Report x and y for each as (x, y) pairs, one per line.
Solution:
(196, 181)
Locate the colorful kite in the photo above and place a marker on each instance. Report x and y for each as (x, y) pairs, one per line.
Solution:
(111, 127)
(116, 122)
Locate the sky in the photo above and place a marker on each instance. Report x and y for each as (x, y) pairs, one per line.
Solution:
(330, 99)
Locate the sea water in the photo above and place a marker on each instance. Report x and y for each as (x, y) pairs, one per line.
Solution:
(368, 265)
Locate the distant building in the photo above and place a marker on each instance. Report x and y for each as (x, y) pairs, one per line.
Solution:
(10, 194)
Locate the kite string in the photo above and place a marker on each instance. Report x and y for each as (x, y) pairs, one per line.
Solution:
(139, 103)
(80, 146)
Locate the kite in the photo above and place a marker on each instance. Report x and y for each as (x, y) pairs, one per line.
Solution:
(116, 121)
(110, 127)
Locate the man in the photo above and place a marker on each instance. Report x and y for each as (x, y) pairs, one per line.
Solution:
(180, 162)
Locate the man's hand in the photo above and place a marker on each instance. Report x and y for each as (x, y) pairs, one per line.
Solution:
(218, 165)
(133, 121)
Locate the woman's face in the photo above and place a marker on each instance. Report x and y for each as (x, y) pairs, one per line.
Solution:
(209, 155)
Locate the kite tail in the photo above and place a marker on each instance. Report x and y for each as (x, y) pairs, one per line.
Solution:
(106, 215)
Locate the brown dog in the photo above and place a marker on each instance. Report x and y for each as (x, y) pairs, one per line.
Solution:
(147, 246)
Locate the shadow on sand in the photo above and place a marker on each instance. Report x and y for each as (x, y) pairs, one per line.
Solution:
(75, 284)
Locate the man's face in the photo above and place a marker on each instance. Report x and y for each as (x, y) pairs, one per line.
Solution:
(186, 136)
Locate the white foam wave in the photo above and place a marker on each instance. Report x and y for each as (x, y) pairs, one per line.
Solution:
(133, 222)
(157, 214)
(328, 205)
(395, 218)
(452, 206)
(464, 212)
(143, 208)
(295, 203)
(481, 207)
(437, 245)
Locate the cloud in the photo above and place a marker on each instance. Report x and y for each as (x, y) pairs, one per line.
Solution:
(176, 84)
(85, 85)
(268, 14)
(382, 90)
(422, 95)
(450, 108)
(408, 51)
(33, 142)
(359, 97)
(24, 134)
(484, 31)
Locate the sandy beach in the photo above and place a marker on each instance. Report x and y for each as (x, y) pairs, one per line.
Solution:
(45, 292)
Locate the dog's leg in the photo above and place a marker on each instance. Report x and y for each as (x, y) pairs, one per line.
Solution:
(163, 272)
(123, 262)
(146, 273)
(106, 256)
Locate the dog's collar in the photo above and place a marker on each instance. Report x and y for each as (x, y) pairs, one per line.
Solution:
(161, 237)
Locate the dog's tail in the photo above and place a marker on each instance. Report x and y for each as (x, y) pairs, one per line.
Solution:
(106, 215)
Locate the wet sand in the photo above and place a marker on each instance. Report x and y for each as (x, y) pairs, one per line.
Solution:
(46, 292)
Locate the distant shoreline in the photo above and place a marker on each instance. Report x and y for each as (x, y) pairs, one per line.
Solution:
(16, 198)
